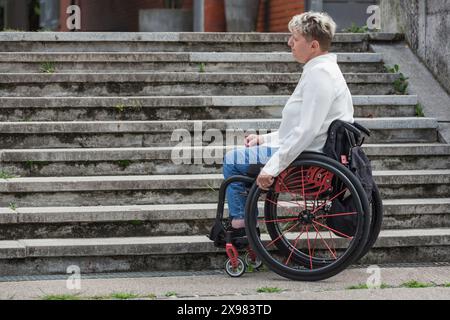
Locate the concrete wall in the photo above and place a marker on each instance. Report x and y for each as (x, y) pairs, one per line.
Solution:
(426, 25)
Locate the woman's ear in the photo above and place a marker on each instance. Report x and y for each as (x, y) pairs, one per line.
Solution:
(315, 44)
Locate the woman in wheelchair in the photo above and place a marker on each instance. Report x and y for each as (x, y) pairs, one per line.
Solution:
(306, 216)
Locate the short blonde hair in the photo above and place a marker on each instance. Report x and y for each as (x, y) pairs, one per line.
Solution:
(314, 26)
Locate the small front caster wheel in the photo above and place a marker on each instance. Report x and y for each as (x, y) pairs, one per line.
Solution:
(235, 272)
(256, 263)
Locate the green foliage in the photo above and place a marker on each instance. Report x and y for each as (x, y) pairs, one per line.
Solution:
(13, 206)
(61, 297)
(119, 107)
(124, 163)
(5, 175)
(416, 284)
(400, 84)
(135, 105)
(136, 222)
(171, 294)
(48, 67)
(419, 110)
(358, 287)
(124, 295)
(202, 67)
(356, 29)
(269, 290)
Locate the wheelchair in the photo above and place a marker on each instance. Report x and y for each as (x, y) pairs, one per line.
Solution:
(312, 223)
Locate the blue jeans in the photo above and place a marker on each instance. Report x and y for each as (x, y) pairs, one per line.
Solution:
(237, 162)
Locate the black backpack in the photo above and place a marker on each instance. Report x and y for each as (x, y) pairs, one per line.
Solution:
(343, 144)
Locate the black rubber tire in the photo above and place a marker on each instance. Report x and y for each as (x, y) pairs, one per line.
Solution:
(375, 222)
(325, 270)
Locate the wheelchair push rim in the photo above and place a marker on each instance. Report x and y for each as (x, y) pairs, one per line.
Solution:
(297, 243)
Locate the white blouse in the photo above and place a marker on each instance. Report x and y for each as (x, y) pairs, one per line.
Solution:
(321, 96)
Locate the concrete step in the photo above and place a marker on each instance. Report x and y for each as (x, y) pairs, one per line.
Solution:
(190, 188)
(177, 220)
(160, 160)
(173, 42)
(50, 256)
(181, 108)
(174, 62)
(177, 83)
(108, 134)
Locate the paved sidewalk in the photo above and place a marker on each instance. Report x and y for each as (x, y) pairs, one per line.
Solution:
(220, 286)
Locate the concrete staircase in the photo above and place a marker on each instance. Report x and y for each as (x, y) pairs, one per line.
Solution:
(86, 128)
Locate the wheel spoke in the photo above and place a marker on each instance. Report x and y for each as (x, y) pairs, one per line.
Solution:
(281, 235)
(295, 245)
(317, 230)
(343, 234)
(287, 208)
(309, 248)
(279, 220)
(338, 214)
(294, 195)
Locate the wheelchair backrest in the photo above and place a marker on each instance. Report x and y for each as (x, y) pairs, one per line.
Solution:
(342, 136)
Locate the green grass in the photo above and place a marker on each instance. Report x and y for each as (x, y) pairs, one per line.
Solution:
(416, 284)
(446, 285)
(358, 287)
(12, 206)
(120, 107)
(48, 67)
(356, 29)
(115, 295)
(61, 297)
(401, 84)
(123, 163)
(136, 222)
(5, 175)
(202, 67)
(136, 105)
(269, 290)
(171, 294)
(124, 295)
(419, 110)
(365, 286)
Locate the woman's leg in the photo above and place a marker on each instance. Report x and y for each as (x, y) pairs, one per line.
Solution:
(237, 162)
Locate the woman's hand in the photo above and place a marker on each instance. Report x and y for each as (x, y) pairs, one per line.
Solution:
(264, 180)
(252, 140)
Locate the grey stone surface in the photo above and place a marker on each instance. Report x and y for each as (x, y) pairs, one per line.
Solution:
(167, 101)
(169, 126)
(153, 153)
(197, 181)
(361, 57)
(434, 99)
(194, 244)
(425, 24)
(197, 211)
(11, 78)
(68, 216)
(198, 287)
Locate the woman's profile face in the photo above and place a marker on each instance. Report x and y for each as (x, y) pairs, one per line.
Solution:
(302, 50)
